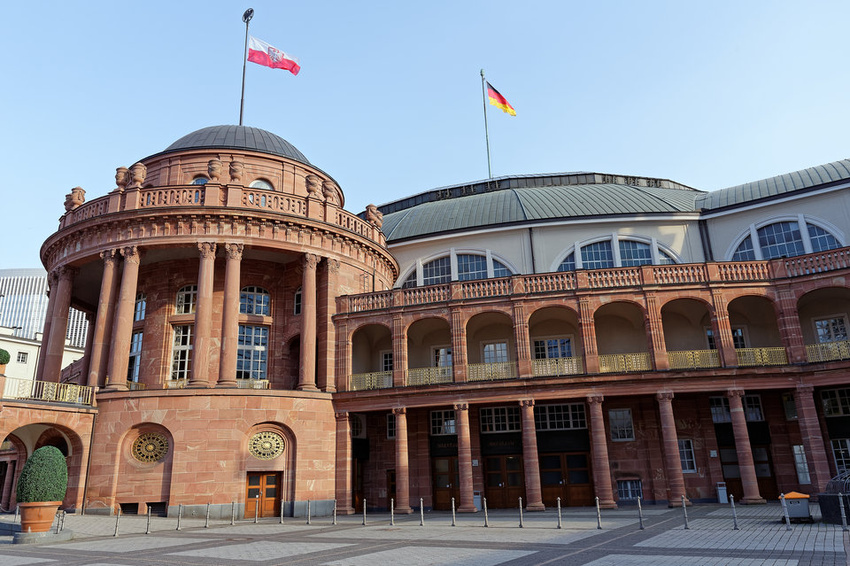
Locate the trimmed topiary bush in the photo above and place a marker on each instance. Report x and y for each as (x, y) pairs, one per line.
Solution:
(4, 357)
(44, 477)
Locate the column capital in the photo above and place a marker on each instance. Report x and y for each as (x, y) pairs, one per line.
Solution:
(461, 406)
(664, 396)
(341, 415)
(333, 265)
(131, 254)
(109, 256)
(62, 273)
(206, 249)
(735, 393)
(805, 388)
(400, 410)
(310, 261)
(526, 402)
(595, 399)
(233, 251)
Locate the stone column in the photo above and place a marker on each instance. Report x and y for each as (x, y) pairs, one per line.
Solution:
(122, 323)
(588, 336)
(788, 320)
(816, 454)
(742, 447)
(200, 377)
(722, 329)
(53, 282)
(458, 345)
(327, 331)
(399, 351)
(307, 377)
(230, 315)
(523, 342)
(103, 322)
(343, 464)
(599, 441)
(55, 344)
(670, 441)
(464, 459)
(531, 463)
(6, 497)
(655, 329)
(402, 472)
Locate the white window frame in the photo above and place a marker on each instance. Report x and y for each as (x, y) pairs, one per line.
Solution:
(253, 355)
(440, 355)
(722, 413)
(181, 353)
(135, 360)
(496, 420)
(801, 464)
(621, 429)
(507, 349)
(385, 358)
(255, 298)
(744, 333)
(296, 302)
(841, 454)
(655, 248)
(139, 307)
(22, 357)
(187, 299)
(629, 490)
(443, 422)
(687, 457)
(417, 267)
(566, 416)
(830, 318)
(567, 337)
(802, 222)
(836, 402)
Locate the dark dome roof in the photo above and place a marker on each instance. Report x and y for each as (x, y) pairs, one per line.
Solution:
(238, 137)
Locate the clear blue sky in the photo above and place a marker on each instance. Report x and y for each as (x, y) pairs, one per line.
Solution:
(388, 102)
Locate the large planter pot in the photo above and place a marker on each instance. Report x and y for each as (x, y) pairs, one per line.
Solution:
(37, 517)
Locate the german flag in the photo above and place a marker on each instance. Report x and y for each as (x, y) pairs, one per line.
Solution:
(499, 101)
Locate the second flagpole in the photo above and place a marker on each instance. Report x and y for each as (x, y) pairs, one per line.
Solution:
(246, 17)
(486, 129)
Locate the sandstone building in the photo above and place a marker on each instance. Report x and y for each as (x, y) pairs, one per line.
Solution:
(548, 337)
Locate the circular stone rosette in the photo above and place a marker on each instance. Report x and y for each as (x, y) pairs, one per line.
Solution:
(266, 445)
(150, 447)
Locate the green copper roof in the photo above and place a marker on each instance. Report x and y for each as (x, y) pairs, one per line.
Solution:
(512, 200)
(776, 186)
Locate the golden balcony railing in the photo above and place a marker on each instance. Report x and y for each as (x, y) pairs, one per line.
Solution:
(47, 391)
(694, 359)
(176, 383)
(775, 356)
(491, 372)
(557, 366)
(615, 363)
(252, 383)
(372, 380)
(429, 376)
(828, 351)
(135, 386)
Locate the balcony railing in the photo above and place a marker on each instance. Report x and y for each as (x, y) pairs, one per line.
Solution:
(429, 376)
(828, 351)
(761, 356)
(616, 363)
(694, 359)
(135, 386)
(491, 372)
(557, 366)
(176, 383)
(252, 383)
(372, 380)
(47, 391)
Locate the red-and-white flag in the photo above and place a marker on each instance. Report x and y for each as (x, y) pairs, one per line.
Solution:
(262, 53)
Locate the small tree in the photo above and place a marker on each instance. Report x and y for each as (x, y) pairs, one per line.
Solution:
(44, 477)
(4, 357)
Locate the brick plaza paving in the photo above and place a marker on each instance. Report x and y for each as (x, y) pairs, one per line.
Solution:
(762, 540)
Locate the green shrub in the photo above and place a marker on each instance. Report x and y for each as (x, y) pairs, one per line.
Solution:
(44, 477)
(4, 357)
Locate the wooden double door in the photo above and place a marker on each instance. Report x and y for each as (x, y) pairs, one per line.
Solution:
(568, 476)
(446, 479)
(504, 480)
(263, 489)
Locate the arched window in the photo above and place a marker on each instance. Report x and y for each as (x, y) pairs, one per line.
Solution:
(634, 253)
(437, 271)
(254, 300)
(784, 238)
(456, 267)
(598, 255)
(187, 298)
(200, 180)
(261, 184)
(629, 253)
(139, 309)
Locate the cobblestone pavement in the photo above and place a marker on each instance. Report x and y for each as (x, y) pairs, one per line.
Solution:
(761, 540)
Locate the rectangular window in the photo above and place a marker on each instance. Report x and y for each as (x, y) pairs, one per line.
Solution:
(841, 453)
(629, 489)
(22, 357)
(597, 256)
(441, 357)
(495, 352)
(390, 426)
(187, 297)
(790, 406)
(720, 412)
(251, 352)
(801, 464)
(139, 309)
(739, 339)
(686, 456)
(553, 348)
(752, 408)
(470, 267)
(443, 423)
(500, 419)
(836, 402)
(181, 352)
(831, 329)
(560, 417)
(620, 421)
(135, 357)
(386, 361)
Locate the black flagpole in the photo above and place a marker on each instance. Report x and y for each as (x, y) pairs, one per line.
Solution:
(246, 17)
